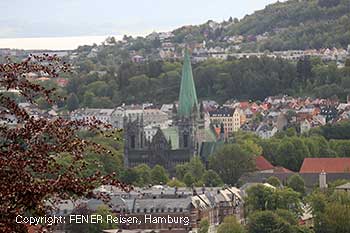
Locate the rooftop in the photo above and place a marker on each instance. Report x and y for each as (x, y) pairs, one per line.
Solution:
(328, 165)
(262, 164)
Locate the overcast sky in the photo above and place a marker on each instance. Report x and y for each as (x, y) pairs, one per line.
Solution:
(66, 18)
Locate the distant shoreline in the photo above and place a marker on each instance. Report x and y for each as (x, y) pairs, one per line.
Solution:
(53, 43)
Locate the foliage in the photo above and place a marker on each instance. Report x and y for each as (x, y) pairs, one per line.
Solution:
(29, 171)
(176, 183)
(230, 225)
(144, 177)
(230, 162)
(159, 175)
(297, 183)
(263, 198)
(104, 225)
(297, 25)
(72, 102)
(194, 173)
(270, 222)
(212, 179)
(203, 226)
(274, 181)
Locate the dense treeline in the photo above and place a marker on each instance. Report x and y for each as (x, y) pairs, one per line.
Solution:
(288, 149)
(248, 78)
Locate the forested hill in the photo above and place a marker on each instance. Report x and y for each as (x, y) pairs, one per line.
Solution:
(299, 24)
(294, 24)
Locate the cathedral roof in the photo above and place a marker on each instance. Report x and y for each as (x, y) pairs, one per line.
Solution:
(188, 96)
(172, 134)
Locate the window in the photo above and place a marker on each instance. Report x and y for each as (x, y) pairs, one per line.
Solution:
(132, 141)
(185, 140)
(141, 140)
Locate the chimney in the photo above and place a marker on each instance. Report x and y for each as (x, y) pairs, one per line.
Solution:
(323, 180)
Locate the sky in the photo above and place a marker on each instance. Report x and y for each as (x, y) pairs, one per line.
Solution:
(64, 24)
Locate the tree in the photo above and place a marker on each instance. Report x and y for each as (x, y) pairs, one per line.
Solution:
(230, 162)
(212, 179)
(335, 219)
(189, 180)
(260, 197)
(176, 183)
(159, 175)
(230, 225)
(72, 102)
(30, 175)
(274, 181)
(143, 172)
(103, 211)
(269, 222)
(331, 211)
(203, 226)
(194, 170)
(297, 183)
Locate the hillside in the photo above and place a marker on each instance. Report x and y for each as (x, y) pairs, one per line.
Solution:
(294, 24)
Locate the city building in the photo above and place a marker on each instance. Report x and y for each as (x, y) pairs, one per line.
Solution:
(229, 117)
(176, 144)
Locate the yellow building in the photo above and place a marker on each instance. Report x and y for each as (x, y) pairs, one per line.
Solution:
(229, 117)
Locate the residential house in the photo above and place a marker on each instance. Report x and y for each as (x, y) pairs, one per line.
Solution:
(229, 117)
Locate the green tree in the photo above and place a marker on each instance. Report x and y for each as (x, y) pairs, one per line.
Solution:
(203, 226)
(260, 197)
(104, 225)
(194, 168)
(189, 179)
(176, 183)
(274, 181)
(297, 183)
(212, 179)
(230, 225)
(230, 162)
(159, 175)
(269, 222)
(143, 172)
(72, 102)
(335, 219)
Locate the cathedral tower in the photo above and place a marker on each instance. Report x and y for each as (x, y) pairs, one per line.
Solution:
(188, 110)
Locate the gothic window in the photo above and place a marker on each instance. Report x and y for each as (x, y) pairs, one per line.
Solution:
(185, 140)
(141, 140)
(132, 141)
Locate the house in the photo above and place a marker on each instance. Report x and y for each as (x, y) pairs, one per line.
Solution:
(262, 165)
(263, 170)
(305, 126)
(266, 131)
(189, 204)
(328, 165)
(332, 169)
(137, 59)
(90, 114)
(229, 117)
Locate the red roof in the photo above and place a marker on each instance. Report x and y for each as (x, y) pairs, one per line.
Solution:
(281, 170)
(262, 164)
(328, 165)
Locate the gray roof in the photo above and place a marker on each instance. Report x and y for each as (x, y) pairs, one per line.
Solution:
(344, 186)
(159, 204)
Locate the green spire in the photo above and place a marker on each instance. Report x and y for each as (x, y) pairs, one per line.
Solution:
(188, 97)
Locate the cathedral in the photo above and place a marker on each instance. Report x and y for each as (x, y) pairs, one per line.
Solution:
(174, 145)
